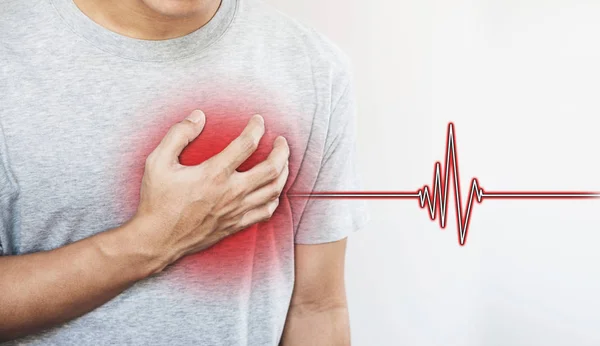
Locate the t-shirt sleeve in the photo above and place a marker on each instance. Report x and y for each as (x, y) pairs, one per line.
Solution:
(7, 200)
(328, 220)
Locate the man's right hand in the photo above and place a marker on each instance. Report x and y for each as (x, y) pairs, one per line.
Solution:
(190, 208)
(182, 209)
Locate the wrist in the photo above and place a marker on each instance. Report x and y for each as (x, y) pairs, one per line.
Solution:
(135, 245)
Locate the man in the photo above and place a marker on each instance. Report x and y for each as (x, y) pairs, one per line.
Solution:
(148, 154)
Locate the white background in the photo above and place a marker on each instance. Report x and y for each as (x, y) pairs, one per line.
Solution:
(521, 81)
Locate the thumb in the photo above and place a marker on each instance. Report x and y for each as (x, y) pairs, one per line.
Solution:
(180, 135)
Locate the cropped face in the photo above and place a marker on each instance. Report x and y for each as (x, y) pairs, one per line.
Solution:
(179, 8)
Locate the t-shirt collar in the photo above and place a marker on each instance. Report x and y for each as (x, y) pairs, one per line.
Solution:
(146, 50)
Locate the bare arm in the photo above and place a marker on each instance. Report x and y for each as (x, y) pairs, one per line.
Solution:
(47, 288)
(182, 210)
(318, 313)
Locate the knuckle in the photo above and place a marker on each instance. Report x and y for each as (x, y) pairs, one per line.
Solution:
(231, 195)
(219, 173)
(174, 130)
(269, 213)
(248, 143)
(274, 191)
(273, 206)
(220, 177)
(178, 135)
(240, 189)
(271, 170)
(179, 130)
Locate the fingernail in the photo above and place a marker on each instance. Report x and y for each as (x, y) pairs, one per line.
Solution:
(196, 116)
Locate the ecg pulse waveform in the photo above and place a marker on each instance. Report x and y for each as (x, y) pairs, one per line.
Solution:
(435, 199)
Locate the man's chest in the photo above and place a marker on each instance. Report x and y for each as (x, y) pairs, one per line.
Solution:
(77, 150)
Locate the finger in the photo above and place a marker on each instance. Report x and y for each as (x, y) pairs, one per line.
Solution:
(268, 170)
(180, 135)
(240, 149)
(260, 214)
(266, 193)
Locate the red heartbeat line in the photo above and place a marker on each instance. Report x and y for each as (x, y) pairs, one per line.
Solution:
(437, 201)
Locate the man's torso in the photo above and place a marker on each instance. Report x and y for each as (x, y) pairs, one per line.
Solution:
(80, 115)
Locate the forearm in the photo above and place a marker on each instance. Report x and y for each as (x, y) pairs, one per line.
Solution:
(44, 289)
(317, 325)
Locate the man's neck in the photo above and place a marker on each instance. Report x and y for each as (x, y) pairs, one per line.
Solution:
(135, 19)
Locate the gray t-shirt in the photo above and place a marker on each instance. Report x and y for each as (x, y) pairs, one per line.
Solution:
(82, 106)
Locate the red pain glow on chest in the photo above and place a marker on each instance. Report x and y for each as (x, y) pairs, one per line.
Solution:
(259, 248)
